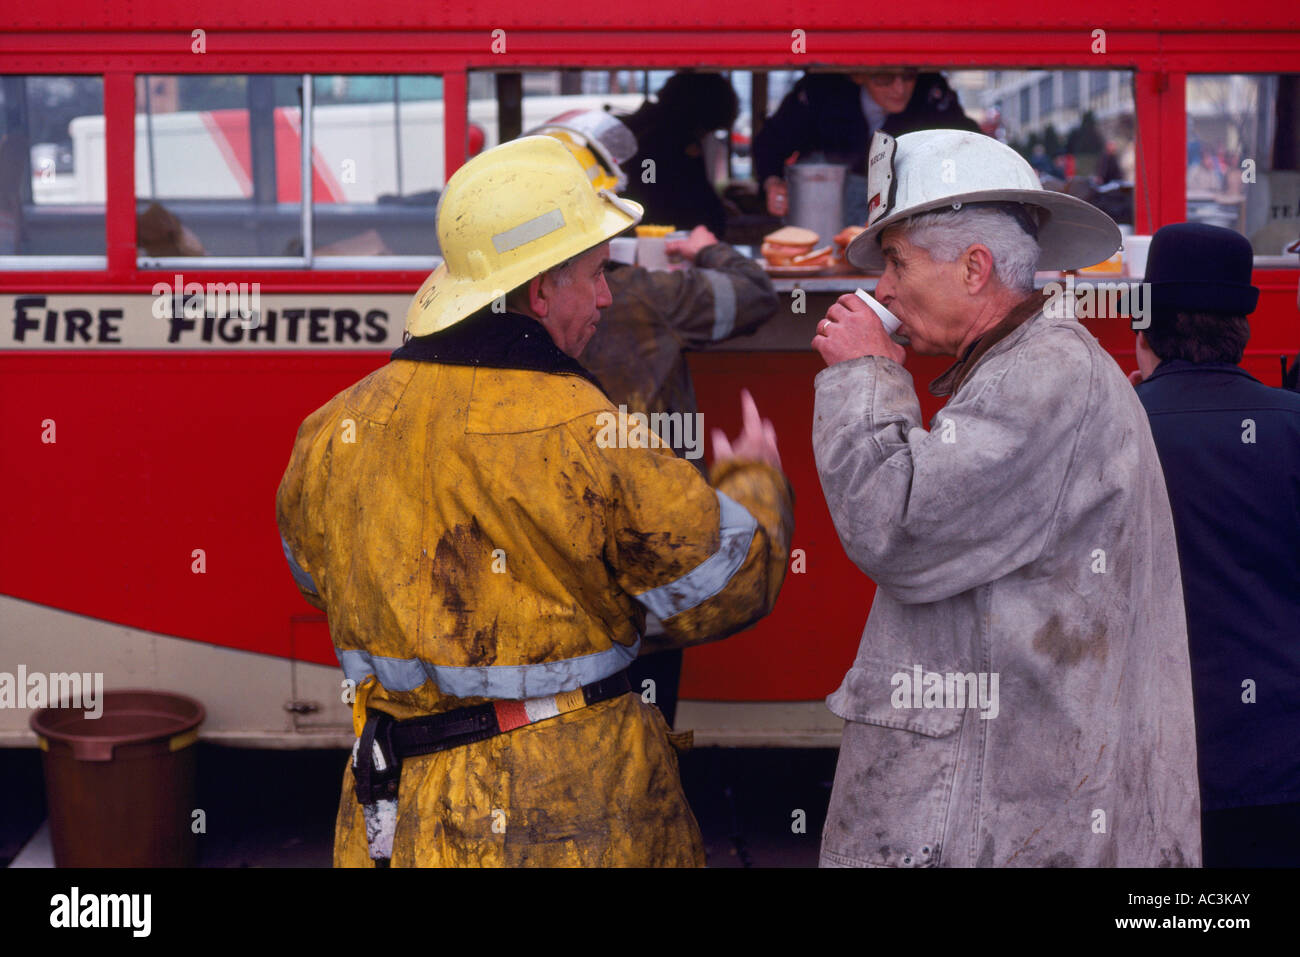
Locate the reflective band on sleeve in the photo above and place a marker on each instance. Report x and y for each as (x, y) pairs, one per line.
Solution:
(489, 681)
(708, 578)
(724, 303)
(535, 228)
(395, 674)
(299, 573)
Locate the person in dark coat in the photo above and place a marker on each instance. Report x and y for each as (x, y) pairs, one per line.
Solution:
(670, 130)
(1230, 450)
(831, 116)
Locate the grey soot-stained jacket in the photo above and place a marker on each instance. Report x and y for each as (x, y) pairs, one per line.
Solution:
(1035, 543)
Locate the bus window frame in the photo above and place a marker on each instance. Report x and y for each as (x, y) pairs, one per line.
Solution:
(309, 263)
(70, 264)
(1160, 60)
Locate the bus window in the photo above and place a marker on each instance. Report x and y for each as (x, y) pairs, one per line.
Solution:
(378, 144)
(52, 171)
(218, 167)
(1076, 128)
(1243, 157)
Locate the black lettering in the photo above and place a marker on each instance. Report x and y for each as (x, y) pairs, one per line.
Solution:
(345, 325)
(266, 326)
(209, 324)
(77, 324)
(24, 323)
(292, 316)
(230, 322)
(179, 324)
(377, 321)
(108, 319)
(316, 331)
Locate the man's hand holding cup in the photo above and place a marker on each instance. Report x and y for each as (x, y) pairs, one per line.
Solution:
(852, 330)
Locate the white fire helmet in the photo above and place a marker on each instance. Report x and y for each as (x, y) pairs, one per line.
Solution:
(936, 170)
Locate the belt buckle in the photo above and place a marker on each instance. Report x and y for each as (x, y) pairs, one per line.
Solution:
(376, 768)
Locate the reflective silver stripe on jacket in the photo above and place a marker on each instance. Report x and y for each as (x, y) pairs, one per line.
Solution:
(514, 682)
(724, 303)
(299, 573)
(701, 583)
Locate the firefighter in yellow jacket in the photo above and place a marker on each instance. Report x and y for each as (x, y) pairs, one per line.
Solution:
(486, 537)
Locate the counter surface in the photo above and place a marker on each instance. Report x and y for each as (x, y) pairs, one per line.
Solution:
(789, 330)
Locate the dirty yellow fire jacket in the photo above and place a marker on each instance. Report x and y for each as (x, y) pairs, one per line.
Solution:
(467, 520)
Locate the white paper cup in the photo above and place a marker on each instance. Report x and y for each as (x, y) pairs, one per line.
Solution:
(887, 318)
(1135, 255)
(623, 249)
(650, 252)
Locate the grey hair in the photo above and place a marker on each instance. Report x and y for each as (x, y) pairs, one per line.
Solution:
(561, 274)
(946, 233)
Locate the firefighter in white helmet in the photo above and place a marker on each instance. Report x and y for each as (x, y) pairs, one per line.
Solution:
(639, 350)
(486, 555)
(1022, 694)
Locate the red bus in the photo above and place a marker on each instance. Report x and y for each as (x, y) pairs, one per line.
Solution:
(294, 153)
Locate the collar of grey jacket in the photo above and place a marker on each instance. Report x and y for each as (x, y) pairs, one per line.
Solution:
(957, 373)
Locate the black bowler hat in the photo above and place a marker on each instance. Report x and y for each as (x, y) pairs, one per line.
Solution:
(1193, 267)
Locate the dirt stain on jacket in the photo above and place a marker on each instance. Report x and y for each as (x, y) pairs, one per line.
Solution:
(453, 559)
(1069, 646)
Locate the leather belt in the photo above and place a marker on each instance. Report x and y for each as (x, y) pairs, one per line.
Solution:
(452, 729)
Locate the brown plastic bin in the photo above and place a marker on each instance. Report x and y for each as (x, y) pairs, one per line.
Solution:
(120, 787)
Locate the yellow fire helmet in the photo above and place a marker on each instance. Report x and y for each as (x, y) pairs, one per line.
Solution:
(507, 215)
(599, 140)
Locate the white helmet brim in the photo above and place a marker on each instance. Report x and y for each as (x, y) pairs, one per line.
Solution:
(934, 170)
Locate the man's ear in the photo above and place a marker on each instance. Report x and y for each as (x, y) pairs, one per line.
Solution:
(977, 267)
(538, 301)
